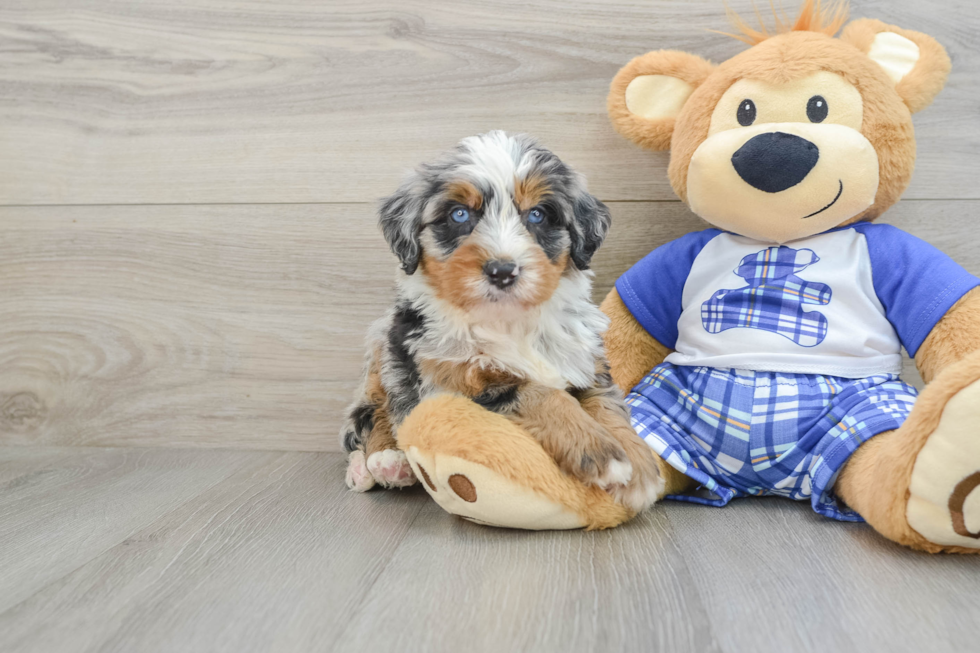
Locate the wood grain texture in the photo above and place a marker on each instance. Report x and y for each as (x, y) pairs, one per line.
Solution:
(238, 326)
(200, 326)
(812, 584)
(457, 586)
(79, 503)
(205, 101)
(276, 557)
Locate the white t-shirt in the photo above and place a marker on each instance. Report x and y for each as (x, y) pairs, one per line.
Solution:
(841, 303)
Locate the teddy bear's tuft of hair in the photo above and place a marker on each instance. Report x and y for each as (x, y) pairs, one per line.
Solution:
(814, 16)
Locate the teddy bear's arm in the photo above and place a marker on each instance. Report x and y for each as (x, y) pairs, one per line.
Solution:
(631, 351)
(955, 336)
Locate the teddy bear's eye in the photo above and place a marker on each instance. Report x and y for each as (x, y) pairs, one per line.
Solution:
(816, 109)
(746, 113)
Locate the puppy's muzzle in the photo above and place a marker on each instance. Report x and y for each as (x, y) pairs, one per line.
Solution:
(502, 274)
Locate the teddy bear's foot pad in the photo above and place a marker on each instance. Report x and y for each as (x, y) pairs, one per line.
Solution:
(944, 492)
(475, 492)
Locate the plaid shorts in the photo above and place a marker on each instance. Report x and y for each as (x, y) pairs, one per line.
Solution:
(740, 433)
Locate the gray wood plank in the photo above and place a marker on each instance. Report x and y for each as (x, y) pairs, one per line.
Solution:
(775, 576)
(106, 101)
(457, 586)
(18, 464)
(61, 515)
(239, 326)
(276, 557)
(170, 325)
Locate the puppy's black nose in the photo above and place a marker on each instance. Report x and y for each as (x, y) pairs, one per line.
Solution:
(775, 161)
(501, 273)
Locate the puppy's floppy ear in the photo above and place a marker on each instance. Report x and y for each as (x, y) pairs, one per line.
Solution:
(401, 224)
(915, 62)
(648, 93)
(590, 224)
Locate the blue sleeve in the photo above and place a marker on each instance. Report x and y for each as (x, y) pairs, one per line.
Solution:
(652, 289)
(915, 282)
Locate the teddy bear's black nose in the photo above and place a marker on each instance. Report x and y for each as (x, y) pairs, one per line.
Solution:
(775, 161)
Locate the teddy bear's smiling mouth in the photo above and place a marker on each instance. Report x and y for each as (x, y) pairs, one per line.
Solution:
(839, 192)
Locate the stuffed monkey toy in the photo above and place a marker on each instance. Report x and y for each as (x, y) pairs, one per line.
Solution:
(761, 356)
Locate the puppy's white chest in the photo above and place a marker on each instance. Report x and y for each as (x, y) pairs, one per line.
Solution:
(540, 357)
(528, 361)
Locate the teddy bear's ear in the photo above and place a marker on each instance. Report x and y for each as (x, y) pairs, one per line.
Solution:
(648, 93)
(915, 62)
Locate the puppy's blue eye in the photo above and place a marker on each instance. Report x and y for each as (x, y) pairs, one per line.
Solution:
(535, 216)
(460, 215)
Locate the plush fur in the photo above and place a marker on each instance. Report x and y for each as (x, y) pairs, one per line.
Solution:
(952, 339)
(813, 17)
(877, 482)
(652, 134)
(784, 57)
(525, 344)
(921, 86)
(887, 122)
(457, 427)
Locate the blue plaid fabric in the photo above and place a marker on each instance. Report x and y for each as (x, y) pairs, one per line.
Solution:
(740, 433)
(774, 299)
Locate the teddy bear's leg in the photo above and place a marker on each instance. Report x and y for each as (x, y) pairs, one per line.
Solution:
(920, 484)
(481, 466)
(675, 481)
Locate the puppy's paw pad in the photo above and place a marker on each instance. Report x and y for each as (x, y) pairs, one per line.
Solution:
(358, 477)
(391, 468)
(618, 472)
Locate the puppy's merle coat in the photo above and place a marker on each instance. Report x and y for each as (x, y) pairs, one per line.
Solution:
(493, 302)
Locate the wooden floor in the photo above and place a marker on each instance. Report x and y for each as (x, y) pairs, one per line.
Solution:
(187, 550)
(188, 263)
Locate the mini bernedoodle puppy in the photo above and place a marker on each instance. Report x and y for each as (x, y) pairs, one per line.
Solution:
(493, 302)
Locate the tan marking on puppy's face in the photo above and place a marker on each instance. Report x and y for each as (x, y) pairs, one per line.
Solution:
(530, 192)
(784, 161)
(458, 256)
(465, 193)
(459, 278)
(543, 276)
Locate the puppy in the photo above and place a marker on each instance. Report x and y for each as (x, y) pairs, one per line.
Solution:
(495, 240)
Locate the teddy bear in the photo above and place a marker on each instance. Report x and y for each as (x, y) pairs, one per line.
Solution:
(761, 356)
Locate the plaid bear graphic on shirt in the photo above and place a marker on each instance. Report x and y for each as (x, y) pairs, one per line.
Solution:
(774, 298)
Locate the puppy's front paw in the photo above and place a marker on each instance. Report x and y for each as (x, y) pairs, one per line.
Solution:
(603, 463)
(618, 472)
(358, 477)
(646, 484)
(390, 468)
